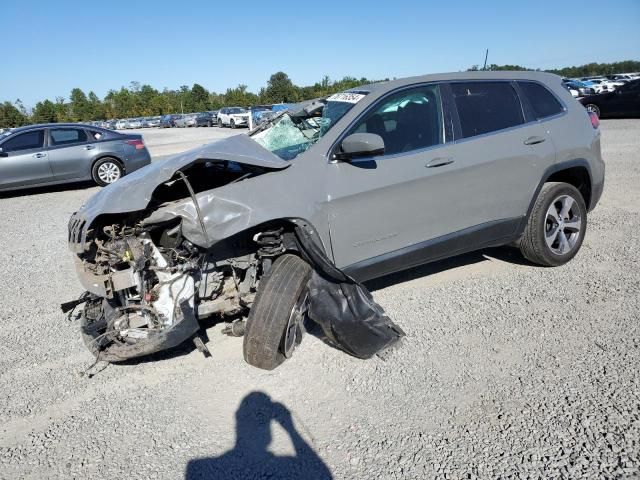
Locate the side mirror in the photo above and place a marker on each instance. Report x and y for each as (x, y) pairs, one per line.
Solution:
(3, 153)
(360, 145)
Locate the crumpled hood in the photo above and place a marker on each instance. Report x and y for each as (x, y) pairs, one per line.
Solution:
(133, 192)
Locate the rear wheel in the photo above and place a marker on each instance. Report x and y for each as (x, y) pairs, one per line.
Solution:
(274, 326)
(106, 171)
(593, 108)
(556, 227)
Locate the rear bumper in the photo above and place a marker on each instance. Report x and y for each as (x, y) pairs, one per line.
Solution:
(140, 159)
(596, 193)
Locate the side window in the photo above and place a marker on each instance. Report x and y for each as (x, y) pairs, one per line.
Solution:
(542, 101)
(95, 135)
(67, 136)
(408, 120)
(24, 141)
(485, 107)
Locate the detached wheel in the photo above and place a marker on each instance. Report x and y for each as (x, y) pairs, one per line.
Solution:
(274, 326)
(593, 108)
(106, 171)
(557, 225)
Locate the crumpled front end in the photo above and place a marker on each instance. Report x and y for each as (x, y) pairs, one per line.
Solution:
(193, 238)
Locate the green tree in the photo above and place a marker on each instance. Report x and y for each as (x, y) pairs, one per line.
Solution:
(11, 116)
(280, 89)
(239, 97)
(199, 98)
(44, 112)
(80, 108)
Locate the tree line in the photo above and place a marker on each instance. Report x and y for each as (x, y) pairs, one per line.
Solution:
(142, 100)
(587, 70)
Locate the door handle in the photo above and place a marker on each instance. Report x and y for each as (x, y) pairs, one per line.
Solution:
(40, 155)
(89, 147)
(439, 162)
(534, 140)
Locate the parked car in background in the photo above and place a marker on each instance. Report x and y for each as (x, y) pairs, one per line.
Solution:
(233, 117)
(624, 101)
(134, 123)
(121, 124)
(60, 153)
(181, 121)
(151, 122)
(598, 86)
(168, 121)
(204, 119)
(623, 77)
(579, 87)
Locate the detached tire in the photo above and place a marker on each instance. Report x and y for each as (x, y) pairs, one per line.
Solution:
(278, 296)
(556, 227)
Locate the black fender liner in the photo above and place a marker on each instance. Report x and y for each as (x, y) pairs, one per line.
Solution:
(344, 308)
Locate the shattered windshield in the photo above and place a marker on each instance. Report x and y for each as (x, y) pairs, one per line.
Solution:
(292, 132)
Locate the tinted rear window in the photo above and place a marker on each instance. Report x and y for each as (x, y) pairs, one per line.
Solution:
(65, 136)
(485, 107)
(542, 101)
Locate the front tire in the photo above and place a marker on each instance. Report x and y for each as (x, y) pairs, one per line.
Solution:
(220, 124)
(233, 124)
(106, 171)
(274, 324)
(556, 227)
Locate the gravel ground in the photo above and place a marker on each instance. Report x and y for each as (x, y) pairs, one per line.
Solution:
(508, 370)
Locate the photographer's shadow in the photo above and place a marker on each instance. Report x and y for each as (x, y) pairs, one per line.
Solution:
(250, 458)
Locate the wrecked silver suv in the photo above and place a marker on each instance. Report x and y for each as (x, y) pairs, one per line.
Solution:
(280, 225)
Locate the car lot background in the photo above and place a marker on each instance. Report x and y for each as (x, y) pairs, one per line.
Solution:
(507, 368)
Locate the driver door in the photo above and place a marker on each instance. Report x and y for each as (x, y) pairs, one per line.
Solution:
(24, 161)
(383, 204)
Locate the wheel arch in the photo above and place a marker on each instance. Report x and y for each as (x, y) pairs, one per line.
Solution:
(574, 172)
(289, 225)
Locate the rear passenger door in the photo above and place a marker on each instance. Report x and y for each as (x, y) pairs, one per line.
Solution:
(70, 152)
(500, 153)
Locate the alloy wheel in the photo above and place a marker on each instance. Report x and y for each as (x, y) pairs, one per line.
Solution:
(109, 172)
(562, 225)
(293, 332)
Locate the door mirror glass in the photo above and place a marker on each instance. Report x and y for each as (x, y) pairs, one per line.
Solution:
(360, 145)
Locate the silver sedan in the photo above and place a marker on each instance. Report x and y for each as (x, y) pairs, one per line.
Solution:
(62, 153)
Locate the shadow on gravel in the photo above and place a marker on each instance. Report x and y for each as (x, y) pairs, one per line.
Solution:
(250, 458)
(47, 189)
(505, 254)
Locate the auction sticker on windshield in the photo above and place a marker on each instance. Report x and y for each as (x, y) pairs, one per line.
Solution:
(348, 97)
